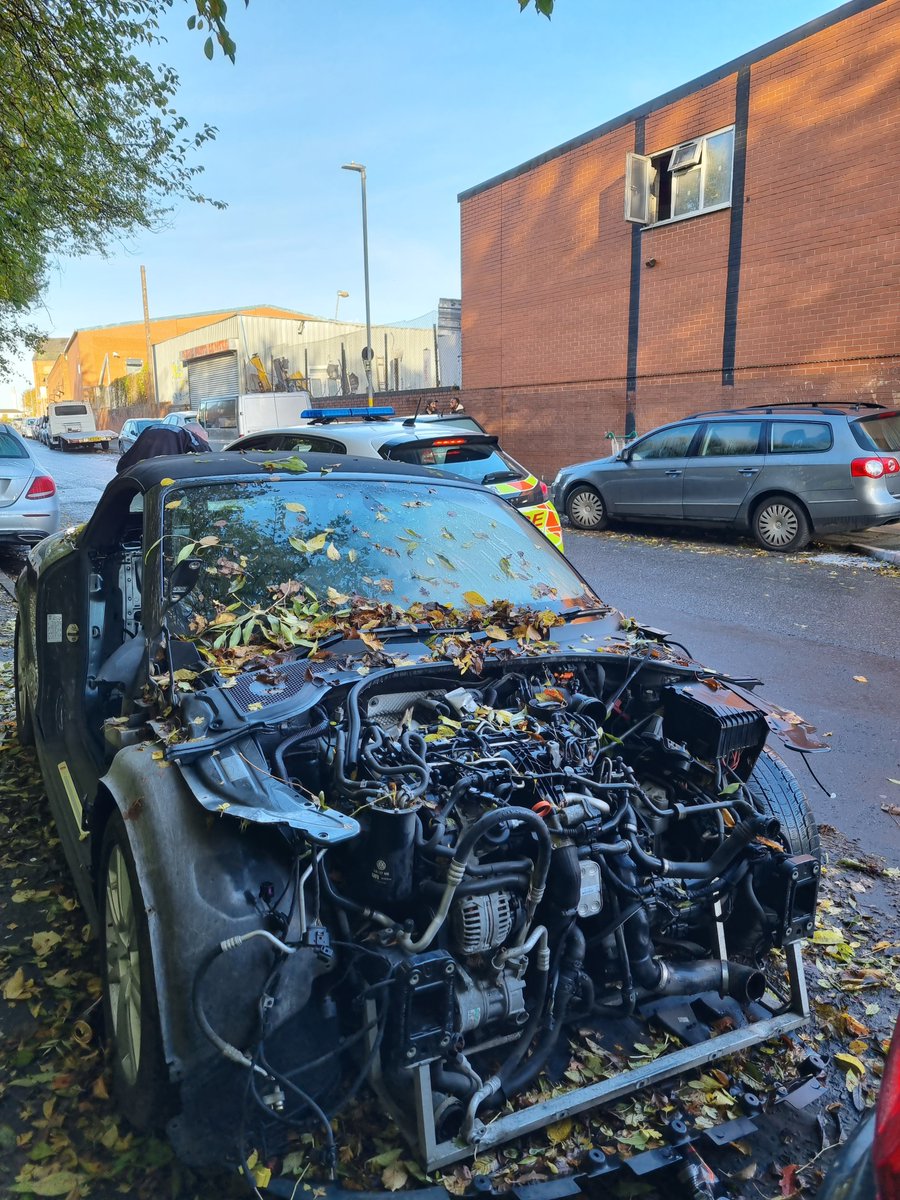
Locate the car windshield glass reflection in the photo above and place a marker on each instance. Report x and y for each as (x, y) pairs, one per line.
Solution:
(393, 542)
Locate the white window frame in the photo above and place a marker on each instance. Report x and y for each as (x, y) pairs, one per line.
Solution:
(634, 211)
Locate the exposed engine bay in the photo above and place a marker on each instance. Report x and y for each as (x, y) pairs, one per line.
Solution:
(484, 865)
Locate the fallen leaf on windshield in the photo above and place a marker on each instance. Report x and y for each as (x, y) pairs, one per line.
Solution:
(291, 507)
(17, 987)
(43, 943)
(789, 1179)
(316, 543)
(352, 555)
(332, 552)
(475, 599)
(860, 679)
(175, 504)
(165, 482)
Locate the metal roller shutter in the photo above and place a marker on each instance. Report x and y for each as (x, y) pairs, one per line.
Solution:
(213, 378)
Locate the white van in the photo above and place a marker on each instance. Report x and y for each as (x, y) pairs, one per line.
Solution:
(230, 417)
(70, 425)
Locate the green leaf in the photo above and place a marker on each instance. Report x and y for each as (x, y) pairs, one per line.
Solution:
(208, 48)
(729, 789)
(60, 1183)
(185, 552)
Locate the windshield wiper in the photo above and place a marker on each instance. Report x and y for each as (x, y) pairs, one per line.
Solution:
(498, 477)
(572, 614)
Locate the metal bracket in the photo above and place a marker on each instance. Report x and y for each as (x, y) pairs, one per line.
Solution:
(436, 1155)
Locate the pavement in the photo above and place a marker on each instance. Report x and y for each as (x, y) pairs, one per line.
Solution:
(882, 542)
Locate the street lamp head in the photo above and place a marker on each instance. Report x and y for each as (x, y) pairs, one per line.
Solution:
(354, 166)
(343, 295)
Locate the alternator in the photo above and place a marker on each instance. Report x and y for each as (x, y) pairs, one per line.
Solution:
(481, 923)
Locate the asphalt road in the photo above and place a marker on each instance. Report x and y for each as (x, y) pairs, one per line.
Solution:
(806, 625)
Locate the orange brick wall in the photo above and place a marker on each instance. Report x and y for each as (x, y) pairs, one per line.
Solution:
(546, 260)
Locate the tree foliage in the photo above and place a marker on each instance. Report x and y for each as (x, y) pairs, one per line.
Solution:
(91, 147)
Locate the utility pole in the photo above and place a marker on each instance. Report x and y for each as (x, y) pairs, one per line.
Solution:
(151, 380)
(368, 353)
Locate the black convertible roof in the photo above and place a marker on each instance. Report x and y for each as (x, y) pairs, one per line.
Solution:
(185, 468)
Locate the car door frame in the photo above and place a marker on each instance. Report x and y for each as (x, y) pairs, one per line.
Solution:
(628, 470)
(732, 467)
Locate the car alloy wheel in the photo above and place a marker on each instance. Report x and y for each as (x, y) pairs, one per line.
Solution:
(586, 509)
(123, 966)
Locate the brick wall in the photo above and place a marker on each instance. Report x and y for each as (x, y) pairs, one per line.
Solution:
(546, 259)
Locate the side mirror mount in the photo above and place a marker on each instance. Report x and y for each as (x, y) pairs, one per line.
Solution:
(624, 455)
(183, 580)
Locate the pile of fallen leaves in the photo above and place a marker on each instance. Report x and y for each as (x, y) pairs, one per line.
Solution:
(61, 1134)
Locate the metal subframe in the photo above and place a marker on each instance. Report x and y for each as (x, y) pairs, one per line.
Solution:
(435, 1155)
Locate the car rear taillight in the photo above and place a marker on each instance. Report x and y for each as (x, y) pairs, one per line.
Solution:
(886, 1146)
(874, 468)
(545, 491)
(42, 487)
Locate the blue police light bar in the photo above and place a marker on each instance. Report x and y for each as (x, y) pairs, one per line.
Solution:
(319, 414)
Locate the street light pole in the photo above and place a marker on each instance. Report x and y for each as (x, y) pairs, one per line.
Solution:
(367, 353)
(340, 296)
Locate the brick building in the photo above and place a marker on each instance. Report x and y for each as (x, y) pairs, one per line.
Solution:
(732, 242)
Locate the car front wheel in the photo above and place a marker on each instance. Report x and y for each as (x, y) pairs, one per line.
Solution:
(585, 508)
(130, 1008)
(780, 524)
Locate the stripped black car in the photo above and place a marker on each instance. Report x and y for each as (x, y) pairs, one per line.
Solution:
(363, 787)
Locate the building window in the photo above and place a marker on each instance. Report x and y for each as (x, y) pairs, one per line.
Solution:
(682, 181)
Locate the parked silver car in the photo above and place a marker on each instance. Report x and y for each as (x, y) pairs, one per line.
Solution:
(132, 428)
(782, 471)
(29, 505)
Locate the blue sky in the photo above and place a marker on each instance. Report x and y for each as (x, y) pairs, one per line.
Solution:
(432, 95)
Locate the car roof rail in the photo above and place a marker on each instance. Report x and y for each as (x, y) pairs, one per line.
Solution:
(825, 406)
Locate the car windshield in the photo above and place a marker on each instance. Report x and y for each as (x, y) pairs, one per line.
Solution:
(10, 446)
(476, 461)
(394, 542)
(879, 433)
(141, 423)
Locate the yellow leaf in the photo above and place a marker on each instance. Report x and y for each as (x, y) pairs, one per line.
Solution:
(828, 937)
(166, 482)
(394, 1177)
(60, 1183)
(316, 543)
(494, 631)
(559, 1131)
(174, 504)
(858, 1046)
(860, 679)
(851, 1063)
(332, 552)
(43, 943)
(475, 599)
(17, 987)
(291, 507)
(262, 1176)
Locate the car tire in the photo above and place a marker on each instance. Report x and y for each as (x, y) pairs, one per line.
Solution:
(104, 446)
(24, 720)
(780, 524)
(775, 789)
(130, 1007)
(585, 508)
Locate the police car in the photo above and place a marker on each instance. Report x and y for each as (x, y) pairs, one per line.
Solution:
(457, 445)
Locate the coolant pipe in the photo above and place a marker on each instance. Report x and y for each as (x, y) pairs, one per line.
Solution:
(302, 735)
(737, 841)
(711, 975)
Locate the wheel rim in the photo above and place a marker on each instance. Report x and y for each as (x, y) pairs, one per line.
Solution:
(778, 524)
(123, 966)
(586, 508)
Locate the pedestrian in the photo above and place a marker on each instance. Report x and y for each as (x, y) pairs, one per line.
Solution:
(456, 406)
(431, 407)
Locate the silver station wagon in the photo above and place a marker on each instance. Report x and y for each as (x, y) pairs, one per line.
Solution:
(782, 471)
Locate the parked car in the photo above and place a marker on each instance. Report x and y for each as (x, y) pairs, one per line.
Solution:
(457, 446)
(305, 772)
(72, 426)
(782, 471)
(40, 430)
(29, 429)
(867, 1165)
(29, 505)
(129, 432)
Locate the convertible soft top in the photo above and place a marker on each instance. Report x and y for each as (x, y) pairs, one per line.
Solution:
(185, 467)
